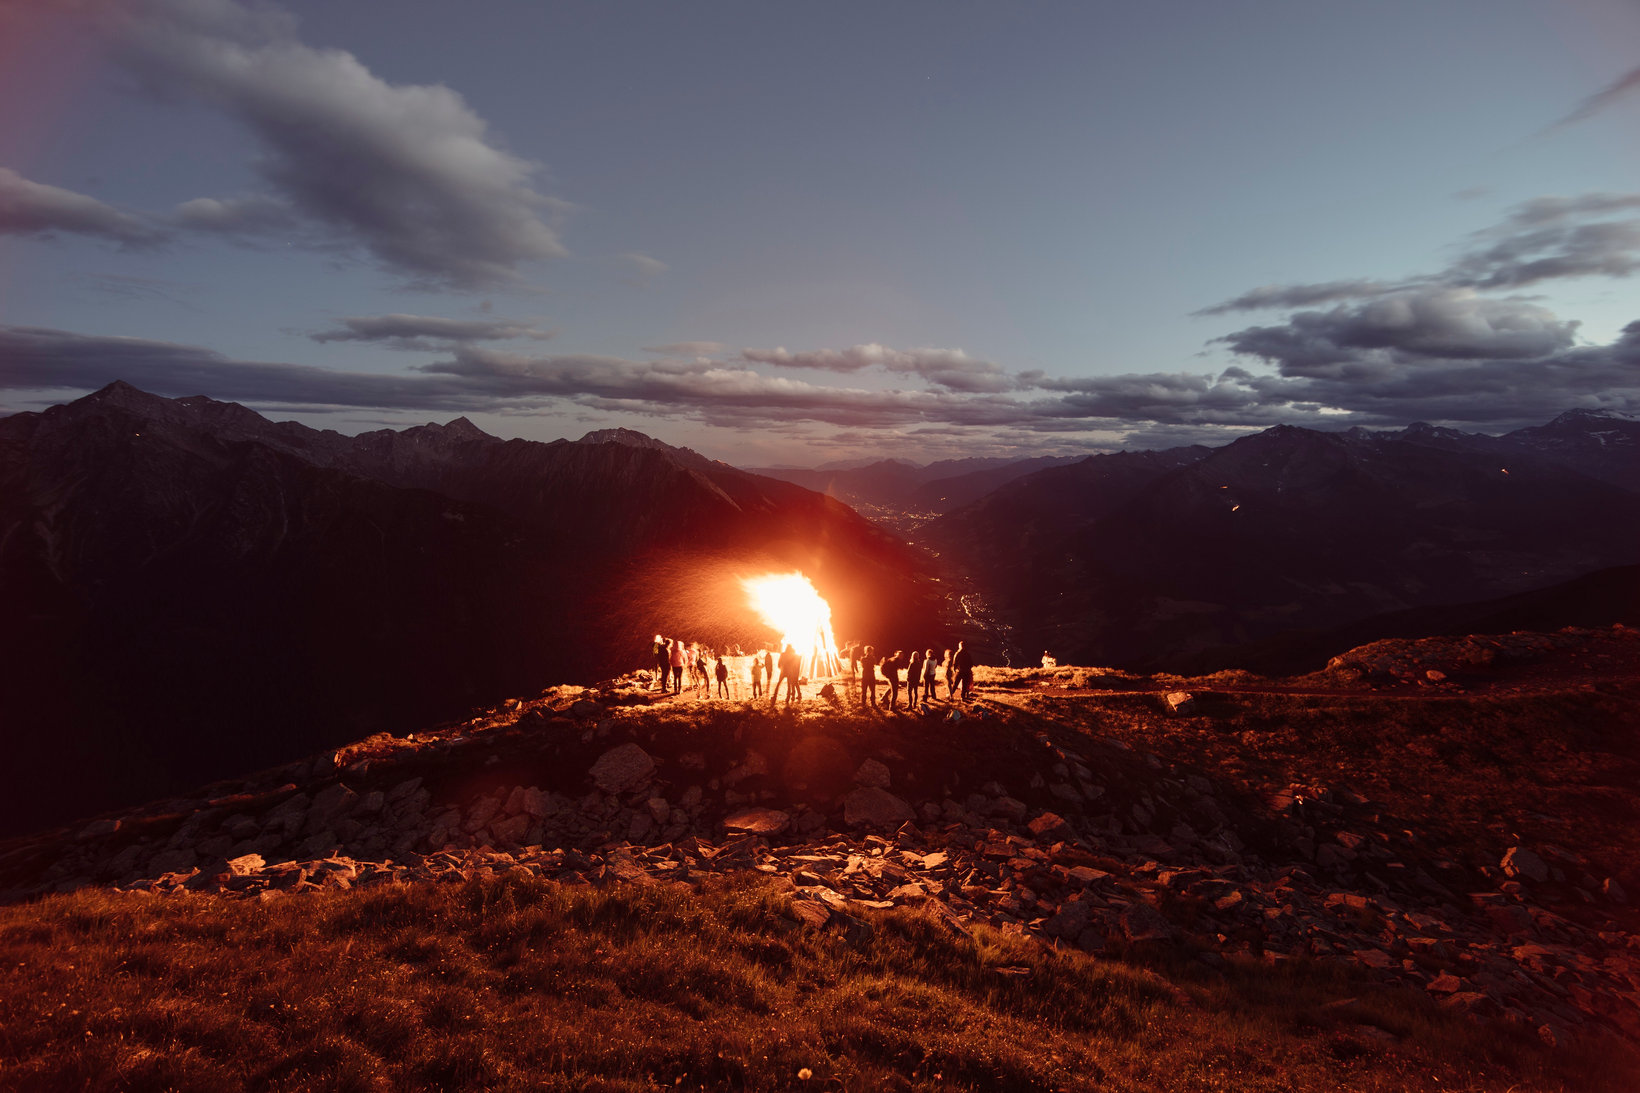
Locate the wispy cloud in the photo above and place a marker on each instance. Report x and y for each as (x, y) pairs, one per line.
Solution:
(408, 174)
(39, 209)
(428, 333)
(1621, 88)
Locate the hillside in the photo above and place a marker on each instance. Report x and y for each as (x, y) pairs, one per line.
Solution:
(195, 590)
(1149, 559)
(1410, 870)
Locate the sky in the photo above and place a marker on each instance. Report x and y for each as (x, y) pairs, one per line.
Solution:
(795, 233)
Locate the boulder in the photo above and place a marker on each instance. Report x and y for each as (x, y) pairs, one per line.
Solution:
(872, 773)
(621, 769)
(1520, 862)
(1069, 921)
(1180, 701)
(1142, 922)
(875, 807)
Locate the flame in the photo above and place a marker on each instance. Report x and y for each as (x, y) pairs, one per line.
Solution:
(788, 603)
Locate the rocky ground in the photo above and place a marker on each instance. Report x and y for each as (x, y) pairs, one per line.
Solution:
(1069, 804)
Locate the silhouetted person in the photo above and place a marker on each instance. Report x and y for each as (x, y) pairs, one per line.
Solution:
(675, 658)
(757, 677)
(791, 667)
(663, 664)
(768, 669)
(950, 676)
(891, 676)
(702, 682)
(913, 678)
(931, 675)
(722, 672)
(868, 677)
(963, 662)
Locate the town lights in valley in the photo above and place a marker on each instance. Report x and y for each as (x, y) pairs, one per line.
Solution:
(788, 603)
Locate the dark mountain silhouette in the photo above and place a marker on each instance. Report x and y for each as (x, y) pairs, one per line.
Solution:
(1123, 560)
(194, 590)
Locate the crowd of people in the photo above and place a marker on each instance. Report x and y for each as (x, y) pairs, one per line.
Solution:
(919, 673)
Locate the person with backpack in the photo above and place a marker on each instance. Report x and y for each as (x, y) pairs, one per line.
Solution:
(931, 675)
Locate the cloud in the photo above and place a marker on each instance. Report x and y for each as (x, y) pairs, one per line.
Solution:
(639, 269)
(257, 214)
(1430, 324)
(34, 208)
(407, 173)
(687, 349)
(1547, 238)
(1618, 89)
(1556, 249)
(427, 333)
(948, 368)
(1281, 297)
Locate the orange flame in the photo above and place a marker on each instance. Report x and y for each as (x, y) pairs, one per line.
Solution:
(789, 603)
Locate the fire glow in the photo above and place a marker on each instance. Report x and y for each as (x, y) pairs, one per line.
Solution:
(788, 603)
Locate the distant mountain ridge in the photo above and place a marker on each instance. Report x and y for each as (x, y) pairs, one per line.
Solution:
(195, 589)
(1148, 559)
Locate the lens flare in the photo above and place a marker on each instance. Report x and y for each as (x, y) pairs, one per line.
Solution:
(789, 603)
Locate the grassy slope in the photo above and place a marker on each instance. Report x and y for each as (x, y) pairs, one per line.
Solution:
(517, 983)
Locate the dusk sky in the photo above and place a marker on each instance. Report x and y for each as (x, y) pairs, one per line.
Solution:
(783, 233)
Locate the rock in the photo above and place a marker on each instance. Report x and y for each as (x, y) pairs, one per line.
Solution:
(1050, 827)
(1142, 922)
(1069, 921)
(329, 804)
(755, 763)
(810, 913)
(1445, 983)
(1180, 701)
(621, 769)
(1435, 675)
(482, 812)
(180, 860)
(1009, 807)
(875, 807)
(1614, 891)
(511, 831)
(98, 828)
(1510, 918)
(872, 774)
(757, 821)
(1521, 862)
(659, 810)
(583, 708)
(245, 864)
(534, 803)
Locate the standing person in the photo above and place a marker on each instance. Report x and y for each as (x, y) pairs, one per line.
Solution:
(913, 678)
(663, 663)
(868, 677)
(722, 672)
(931, 675)
(676, 660)
(757, 677)
(768, 669)
(703, 683)
(950, 677)
(963, 661)
(891, 676)
(791, 666)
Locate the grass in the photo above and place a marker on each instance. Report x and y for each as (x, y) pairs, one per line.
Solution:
(517, 983)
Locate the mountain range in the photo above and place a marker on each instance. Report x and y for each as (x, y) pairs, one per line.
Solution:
(194, 590)
(1148, 559)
